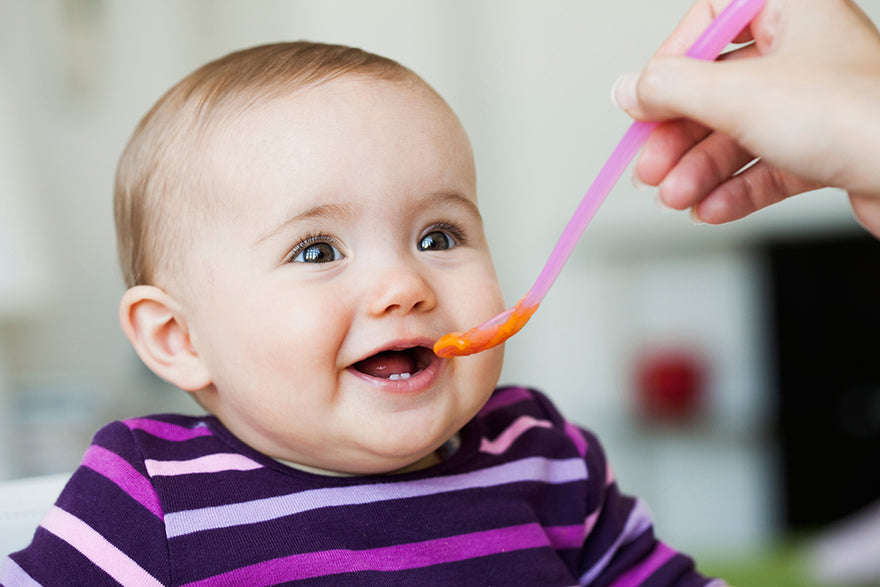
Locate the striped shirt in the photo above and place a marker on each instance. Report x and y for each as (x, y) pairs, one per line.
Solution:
(527, 499)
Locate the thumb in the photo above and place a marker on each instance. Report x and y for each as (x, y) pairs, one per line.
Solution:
(680, 87)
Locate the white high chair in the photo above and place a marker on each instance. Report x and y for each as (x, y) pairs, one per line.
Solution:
(23, 503)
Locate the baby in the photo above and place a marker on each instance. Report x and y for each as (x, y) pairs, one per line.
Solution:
(297, 225)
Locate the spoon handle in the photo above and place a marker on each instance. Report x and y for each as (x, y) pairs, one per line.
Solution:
(708, 46)
(493, 332)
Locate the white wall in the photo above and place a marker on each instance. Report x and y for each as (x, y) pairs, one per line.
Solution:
(531, 82)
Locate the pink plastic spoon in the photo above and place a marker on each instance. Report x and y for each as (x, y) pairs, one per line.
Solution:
(714, 39)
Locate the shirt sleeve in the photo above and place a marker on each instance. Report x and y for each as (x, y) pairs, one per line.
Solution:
(106, 527)
(620, 547)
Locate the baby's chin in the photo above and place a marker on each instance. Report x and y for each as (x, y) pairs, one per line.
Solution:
(403, 463)
(407, 451)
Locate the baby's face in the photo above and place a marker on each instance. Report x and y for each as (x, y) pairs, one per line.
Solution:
(348, 241)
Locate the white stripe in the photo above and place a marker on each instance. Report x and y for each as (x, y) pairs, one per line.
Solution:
(638, 521)
(536, 469)
(96, 548)
(12, 575)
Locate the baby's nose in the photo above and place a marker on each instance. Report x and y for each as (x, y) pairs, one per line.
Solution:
(401, 288)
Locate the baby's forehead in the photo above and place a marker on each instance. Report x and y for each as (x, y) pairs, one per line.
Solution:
(350, 91)
(367, 109)
(328, 134)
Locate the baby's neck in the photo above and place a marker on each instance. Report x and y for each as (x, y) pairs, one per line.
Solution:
(435, 458)
(315, 470)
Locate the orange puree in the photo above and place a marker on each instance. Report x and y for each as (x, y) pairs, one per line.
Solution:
(480, 338)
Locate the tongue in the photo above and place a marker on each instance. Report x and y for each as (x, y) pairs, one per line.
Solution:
(387, 363)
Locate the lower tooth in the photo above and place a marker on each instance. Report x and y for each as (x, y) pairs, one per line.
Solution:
(397, 376)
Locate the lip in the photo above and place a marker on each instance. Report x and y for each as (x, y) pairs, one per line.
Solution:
(418, 382)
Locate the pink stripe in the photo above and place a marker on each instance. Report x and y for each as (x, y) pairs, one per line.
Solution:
(637, 575)
(610, 476)
(390, 558)
(506, 397)
(119, 471)
(590, 523)
(95, 547)
(577, 438)
(207, 464)
(638, 521)
(520, 426)
(166, 431)
(566, 536)
(572, 536)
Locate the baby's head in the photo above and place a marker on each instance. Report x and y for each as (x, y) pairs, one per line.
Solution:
(163, 184)
(297, 225)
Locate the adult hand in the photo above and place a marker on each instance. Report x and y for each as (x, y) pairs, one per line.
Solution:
(803, 98)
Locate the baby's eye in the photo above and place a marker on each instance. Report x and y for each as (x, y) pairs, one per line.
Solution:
(436, 240)
(315, 251)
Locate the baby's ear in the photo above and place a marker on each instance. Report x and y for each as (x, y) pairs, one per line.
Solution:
(157, 328)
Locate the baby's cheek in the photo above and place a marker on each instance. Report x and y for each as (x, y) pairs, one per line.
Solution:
(485, 288)
(487, 370)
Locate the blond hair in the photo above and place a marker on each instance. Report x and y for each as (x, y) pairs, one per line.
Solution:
(160, 184)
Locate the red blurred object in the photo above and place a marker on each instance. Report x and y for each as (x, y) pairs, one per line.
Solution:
(670, 386)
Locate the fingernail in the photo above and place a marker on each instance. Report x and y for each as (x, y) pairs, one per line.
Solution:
(661, 205)
(638, 183)
(623, 92)
(693, 216)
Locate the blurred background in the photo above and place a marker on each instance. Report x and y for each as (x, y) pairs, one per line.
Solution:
(730, 371)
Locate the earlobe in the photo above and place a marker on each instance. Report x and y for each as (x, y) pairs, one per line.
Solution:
(157, 329)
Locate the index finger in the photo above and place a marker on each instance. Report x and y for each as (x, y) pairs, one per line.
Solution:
(698, 17)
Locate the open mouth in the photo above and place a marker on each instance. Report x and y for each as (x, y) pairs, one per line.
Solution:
(396, 364)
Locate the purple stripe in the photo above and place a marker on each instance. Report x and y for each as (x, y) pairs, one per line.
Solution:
(637, 575)
(167, 431)
(537, 469)
(390, 558)
(13, 575)
(119, 471)
(506, 397)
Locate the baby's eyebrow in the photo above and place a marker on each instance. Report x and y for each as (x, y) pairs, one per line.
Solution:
(339, 211)
(456, 198)
(324, 211)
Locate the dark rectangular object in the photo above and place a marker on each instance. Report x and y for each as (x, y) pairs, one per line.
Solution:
(825, 304)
